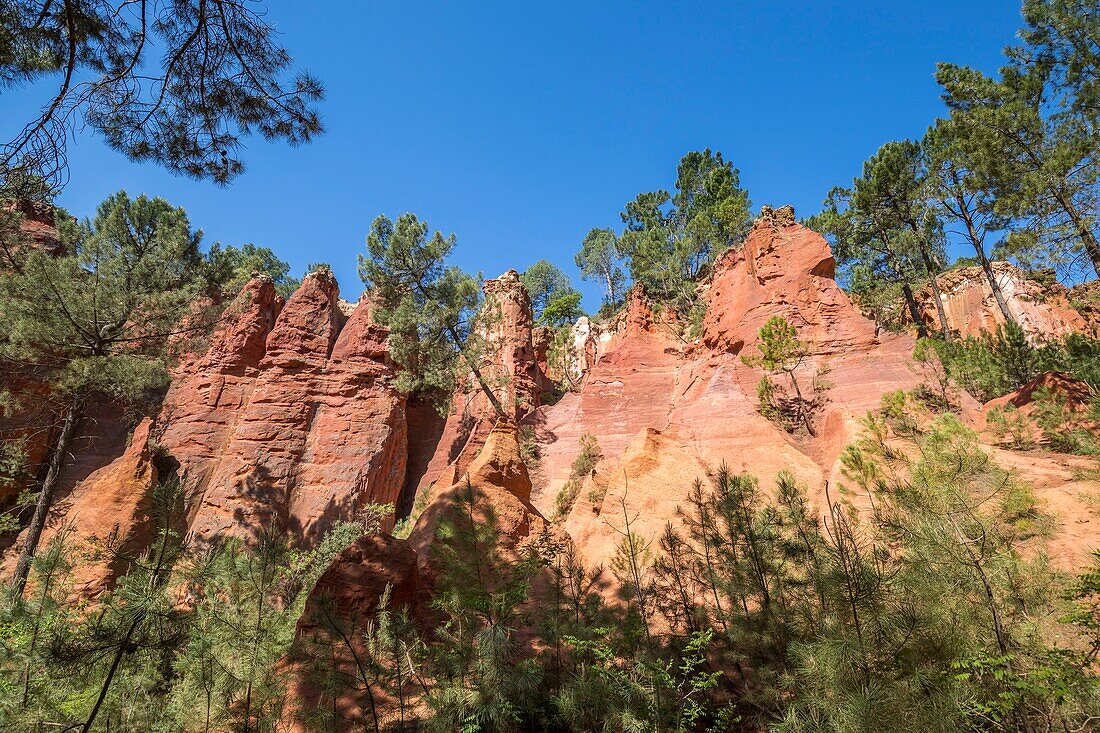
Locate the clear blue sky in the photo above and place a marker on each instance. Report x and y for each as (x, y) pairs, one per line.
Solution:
(520, 126)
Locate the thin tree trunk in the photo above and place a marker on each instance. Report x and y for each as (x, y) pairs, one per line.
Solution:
(45, 499)
(933, 271)
(991, 276)
(1088, 239)
(477, 374)
(119, 654)
(906, 288)
(803, 413)
(979, 249)
(914, 309)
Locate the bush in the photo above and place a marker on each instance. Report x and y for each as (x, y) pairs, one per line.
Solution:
(1010, 427)
(582, 466)
(994, 364)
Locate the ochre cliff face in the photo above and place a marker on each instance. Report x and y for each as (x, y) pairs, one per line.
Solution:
(783, 269)
(37, 227)
(290, 421)
(103, 510)
(1042, 311)
(515, 375)
(667, 413)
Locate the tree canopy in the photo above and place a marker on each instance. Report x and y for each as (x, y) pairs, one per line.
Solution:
(182, 84)
(553, 299)
(671, 239)
(100, 317)
(429, 306)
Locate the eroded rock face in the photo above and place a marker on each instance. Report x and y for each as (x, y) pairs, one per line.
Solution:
(104, 512)
(37, 228)
(782, 269)
(497, 486)
(290, 421)
(1041, 310)
(515, 375)
(207, 393)
(665, 413)
(30, 421)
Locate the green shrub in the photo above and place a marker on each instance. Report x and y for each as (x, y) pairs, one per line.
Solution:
(1010, 427)
(1064, 429)
(994, 364)
(582, 466)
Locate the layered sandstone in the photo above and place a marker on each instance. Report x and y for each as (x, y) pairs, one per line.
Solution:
(1041, 310)
(667, 413)
(290, 422)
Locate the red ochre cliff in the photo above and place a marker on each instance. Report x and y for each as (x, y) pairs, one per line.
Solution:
(291, 420)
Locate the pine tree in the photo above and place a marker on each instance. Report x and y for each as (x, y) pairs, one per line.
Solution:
(959, 196)
(1029, 136)
(99, 319)
(781, 352)
(429, 307)
(181, 84)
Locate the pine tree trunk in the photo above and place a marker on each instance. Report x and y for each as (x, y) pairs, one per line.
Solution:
(1088, 239)
(45, 498)
(914, 309)
(120, 652)
(933, 271)
(497, 406)
(994, 285)
(976, 241)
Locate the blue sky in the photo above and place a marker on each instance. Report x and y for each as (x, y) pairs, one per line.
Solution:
(519, 126)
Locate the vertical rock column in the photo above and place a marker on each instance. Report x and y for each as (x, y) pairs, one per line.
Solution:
(250, 486)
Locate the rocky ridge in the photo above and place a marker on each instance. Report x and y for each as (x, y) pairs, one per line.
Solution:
(290, 420)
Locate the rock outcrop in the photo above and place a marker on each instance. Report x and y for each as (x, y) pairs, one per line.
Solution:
(1041, 310)
(495, 488)
(515, 375)
(665, 414)
(290, 421)
(37, 225)
(782, 269)
(340, 608)
(104, 513)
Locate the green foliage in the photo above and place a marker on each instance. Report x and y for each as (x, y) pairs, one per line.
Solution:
(581, 468)
(179, 84)
(600, 259)
(885, 233)
(231, 267)
(922, 613)
(481, 680)
(562, 310)
(428, 306)
(994, 364)
(670, 240)
(1010, 427)
(1064, 429)
(100, 316)
(553, 299)
(1028, 135)
(780, 351)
